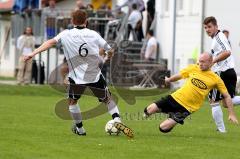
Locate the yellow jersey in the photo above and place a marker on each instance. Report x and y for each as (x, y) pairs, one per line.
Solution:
(197, 86)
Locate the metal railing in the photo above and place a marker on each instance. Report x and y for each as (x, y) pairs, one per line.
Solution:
(48, 27)
(113, 31)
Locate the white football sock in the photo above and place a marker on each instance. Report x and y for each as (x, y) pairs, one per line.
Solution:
(81, 130)
(236, 100)
(75, 113)
(218, 117)
(117, 119)
(113, 109)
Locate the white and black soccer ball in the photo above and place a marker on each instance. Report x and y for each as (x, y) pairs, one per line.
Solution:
(111, 129)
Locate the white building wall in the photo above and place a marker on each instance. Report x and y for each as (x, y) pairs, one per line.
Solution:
(188, 30)
(7, 65)
(188, 39)
(226, 13)
(164, 30)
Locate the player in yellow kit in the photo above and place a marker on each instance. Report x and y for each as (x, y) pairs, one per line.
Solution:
(189, 98)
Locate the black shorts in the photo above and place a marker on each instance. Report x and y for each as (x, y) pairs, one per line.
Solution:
(176, 111)
(229, 78)
(99, 89)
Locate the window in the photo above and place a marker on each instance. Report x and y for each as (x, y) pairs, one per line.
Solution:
(180, 7)
(177, 64)
(165, 7)
(194, 7)
(6, 42)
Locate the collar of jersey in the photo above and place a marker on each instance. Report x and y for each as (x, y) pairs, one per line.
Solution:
(80, 27)
(217, 33)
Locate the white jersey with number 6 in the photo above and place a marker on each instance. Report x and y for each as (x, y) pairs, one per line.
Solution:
(81, 49)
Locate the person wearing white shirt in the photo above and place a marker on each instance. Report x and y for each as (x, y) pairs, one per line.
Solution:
(80, 5)
(25, 45)
(49, 15)
(134, 22)
(151, 48)
(81, 48)
(140, 5)
(223, 65)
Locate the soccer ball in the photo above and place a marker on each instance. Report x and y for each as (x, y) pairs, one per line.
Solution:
(111, 129)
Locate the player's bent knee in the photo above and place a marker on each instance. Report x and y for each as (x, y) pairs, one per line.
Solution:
(106, 100)
(72, 101)
(153, 108)
(165, 130)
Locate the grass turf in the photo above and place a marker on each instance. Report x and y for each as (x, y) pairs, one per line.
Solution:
(7, 78)
(30, 129)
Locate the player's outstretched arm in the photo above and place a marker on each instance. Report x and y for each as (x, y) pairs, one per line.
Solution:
(173, 78)
(46, 45)
(231, 114)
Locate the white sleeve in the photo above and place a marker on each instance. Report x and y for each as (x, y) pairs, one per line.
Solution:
(59, 36)
(224, 43)
(19, 42)
(102, 43)
(152, 42)
(131, 18)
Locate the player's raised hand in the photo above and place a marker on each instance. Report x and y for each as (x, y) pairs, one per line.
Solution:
(167, 80)
(233, 119)
(28, 57)
(110, 54)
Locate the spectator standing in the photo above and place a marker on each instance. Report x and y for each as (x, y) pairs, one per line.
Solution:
(80, 5)
(135, 23)
(49, 15)
(150, 13)
(151, 48)
(25, 45)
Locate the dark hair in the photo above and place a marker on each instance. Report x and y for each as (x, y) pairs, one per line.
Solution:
(50, 1)
(210, 20)
(134, 6)
(79, 17)
(25, 32)
(150, 32)
(225, 31)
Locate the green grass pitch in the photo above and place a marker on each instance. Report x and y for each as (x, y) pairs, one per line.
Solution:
(30, 129)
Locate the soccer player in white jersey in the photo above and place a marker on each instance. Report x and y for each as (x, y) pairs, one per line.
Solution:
(223, 65)
(81, 49)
